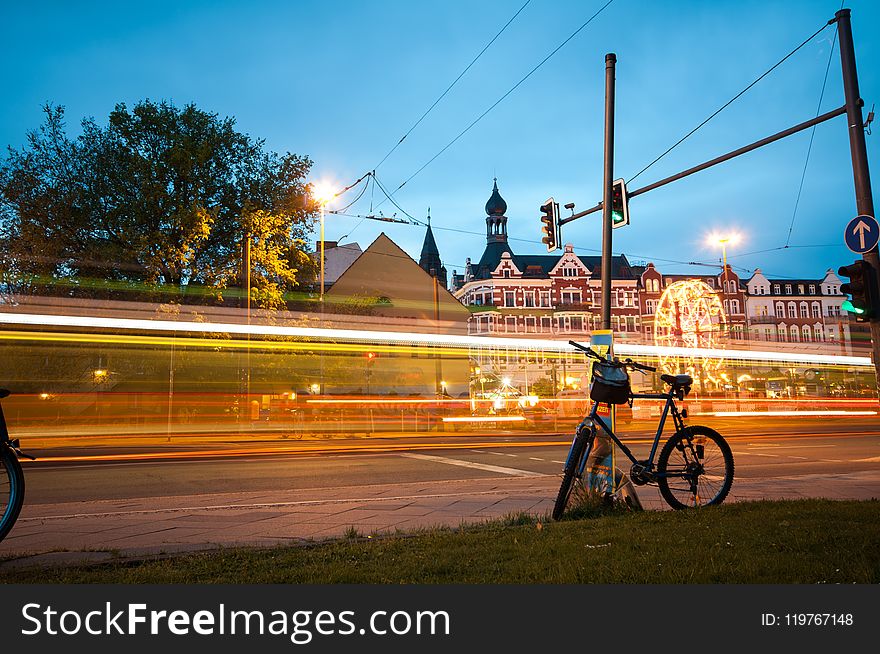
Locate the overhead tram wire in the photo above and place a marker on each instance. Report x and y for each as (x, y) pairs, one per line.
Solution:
(731, 101)
(497, 102)
(812, 136)
(454, 82)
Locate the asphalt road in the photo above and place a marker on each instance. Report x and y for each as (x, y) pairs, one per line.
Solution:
(763, 449)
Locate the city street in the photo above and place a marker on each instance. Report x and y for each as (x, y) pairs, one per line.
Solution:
(90, 502)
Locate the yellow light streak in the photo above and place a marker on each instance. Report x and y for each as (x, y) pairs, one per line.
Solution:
(485, 419)
(353, 340)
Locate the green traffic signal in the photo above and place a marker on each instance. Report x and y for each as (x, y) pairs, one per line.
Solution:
(848, 306)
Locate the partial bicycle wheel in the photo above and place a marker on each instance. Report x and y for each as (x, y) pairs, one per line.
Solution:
(569, 476)
(695, 468)
(11, 489)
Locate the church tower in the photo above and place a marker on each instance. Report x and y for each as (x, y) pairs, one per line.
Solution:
(429, 260)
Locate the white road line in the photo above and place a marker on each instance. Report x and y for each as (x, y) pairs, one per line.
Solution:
(775, 456)
(791, 456)
(872, 459)
(534, 458)
(562, 462)
(470, 464)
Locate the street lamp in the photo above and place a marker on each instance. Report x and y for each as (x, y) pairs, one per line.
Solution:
(724, 240)
(323, 193)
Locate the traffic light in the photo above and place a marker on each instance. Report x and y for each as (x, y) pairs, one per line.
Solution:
(861, 288)
(619, 204)
(550, 226)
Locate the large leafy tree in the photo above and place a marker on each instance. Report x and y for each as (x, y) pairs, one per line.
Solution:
(160, 197)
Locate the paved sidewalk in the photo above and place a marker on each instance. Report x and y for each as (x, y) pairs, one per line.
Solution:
(61, 534)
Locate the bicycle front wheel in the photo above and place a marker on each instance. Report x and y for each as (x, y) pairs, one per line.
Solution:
(695, 468)
(11, 489)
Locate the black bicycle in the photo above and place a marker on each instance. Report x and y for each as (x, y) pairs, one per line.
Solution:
(11, 476)
(695, 466)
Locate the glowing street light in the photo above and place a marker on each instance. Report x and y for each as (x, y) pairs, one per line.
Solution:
(323, 194)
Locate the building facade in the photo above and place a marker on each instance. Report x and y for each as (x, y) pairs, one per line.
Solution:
(560, 294)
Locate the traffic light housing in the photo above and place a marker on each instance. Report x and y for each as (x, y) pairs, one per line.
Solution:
(550, 224)
(862, 289)
(619, 204)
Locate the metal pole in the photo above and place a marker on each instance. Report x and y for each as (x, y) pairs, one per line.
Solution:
(859, 153)
(247, 263)
(717, 160)
(610, 61)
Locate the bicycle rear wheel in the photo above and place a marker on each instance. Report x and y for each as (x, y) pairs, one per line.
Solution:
(695, 468)
(579, 449)
(11, 489)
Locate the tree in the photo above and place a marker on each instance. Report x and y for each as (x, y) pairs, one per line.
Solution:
(161, 198)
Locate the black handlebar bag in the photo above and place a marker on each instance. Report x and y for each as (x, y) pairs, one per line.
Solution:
(610, 383)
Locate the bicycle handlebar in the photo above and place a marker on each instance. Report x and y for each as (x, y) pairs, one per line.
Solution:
(628, 363)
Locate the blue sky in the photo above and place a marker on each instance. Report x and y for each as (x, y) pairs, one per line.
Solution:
(342, 82)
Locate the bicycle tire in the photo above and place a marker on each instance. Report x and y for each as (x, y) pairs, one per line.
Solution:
(11, 489)
(703, 452)
(568, 476)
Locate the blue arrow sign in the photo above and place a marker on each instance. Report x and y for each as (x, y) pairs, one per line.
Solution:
(861, 234)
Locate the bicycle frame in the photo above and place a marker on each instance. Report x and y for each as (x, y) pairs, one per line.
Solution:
(594, 419)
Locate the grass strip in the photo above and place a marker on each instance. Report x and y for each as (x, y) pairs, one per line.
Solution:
(803, 542)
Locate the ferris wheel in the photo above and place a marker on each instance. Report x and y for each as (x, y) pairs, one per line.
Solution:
(690, 315)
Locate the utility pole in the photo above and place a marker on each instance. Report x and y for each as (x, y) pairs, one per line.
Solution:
(859, 153)
(610, 62)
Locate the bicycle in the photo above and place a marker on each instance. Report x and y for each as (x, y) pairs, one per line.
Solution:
(11, 476)
(694, 467)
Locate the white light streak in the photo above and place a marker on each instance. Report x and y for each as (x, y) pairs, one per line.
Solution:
(411, 338)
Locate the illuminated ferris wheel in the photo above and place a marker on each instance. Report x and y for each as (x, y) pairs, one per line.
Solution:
(690, 315)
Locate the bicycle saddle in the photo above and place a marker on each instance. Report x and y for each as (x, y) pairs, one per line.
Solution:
(678, 380)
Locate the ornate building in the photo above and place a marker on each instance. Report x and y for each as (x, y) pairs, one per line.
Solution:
(550, 294)
(541, 294)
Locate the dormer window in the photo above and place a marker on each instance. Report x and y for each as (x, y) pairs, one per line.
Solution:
(507, 273)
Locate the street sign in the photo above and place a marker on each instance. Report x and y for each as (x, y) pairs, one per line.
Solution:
(861, 234)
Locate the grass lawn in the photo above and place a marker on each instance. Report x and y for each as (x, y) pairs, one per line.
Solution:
(804, 541)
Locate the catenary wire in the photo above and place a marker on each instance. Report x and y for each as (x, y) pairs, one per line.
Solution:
(729, 102)
(454, 82)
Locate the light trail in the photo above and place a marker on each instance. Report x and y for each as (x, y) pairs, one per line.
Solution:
(737, 414)
(339, 338)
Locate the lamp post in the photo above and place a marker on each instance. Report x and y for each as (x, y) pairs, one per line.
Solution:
(724, 241)
(323, 194)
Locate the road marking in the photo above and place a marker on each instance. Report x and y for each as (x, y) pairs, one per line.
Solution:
(791, 456)
(470, 464)
(873, 459)
(775, 456)
(790, 447)
(534, 458)
(562, 462)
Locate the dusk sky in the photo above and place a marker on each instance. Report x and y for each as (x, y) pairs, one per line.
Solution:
(342, 82)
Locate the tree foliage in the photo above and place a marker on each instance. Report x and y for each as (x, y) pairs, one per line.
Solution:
(159, 198)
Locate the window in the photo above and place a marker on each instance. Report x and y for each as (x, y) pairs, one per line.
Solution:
(818, 331)
(510, 323)
(571, 297)
(529, 297)
(804, 310)
(577, 324)
(776, 290)
(531, 324)
(734, 306)
(780, 310)
(768, 334)
(506, 273)
(651, 306)
(509, 300)
(792, 310)
(794, 334)
(782, 333)
(788, 289)
(800, 289)
(569, 271)
(546, 324)
(817, 310)
(545, 298)
(806, 331)
(812, 289)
